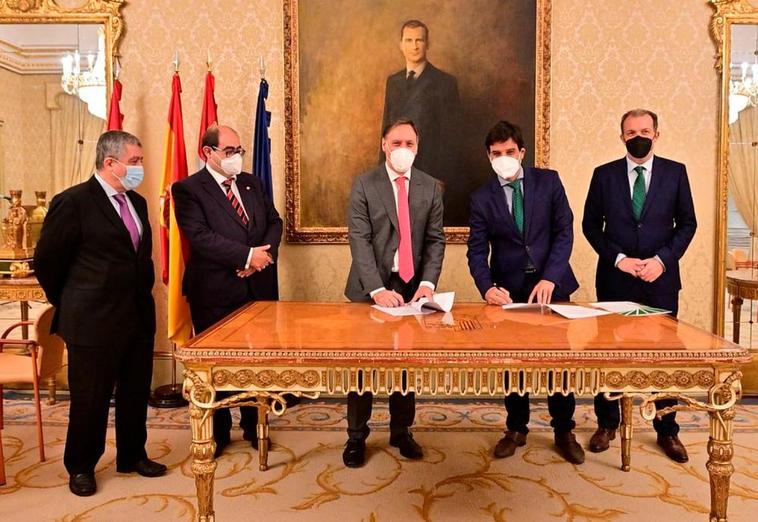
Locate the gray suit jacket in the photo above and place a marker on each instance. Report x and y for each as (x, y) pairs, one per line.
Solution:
(373, 231)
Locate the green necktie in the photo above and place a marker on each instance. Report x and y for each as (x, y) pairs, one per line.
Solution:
(517, 205)
(638, 193)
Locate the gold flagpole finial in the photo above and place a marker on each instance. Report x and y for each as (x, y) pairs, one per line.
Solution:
(116, 68)
(209, 62)
(176, 61)
(262, 67)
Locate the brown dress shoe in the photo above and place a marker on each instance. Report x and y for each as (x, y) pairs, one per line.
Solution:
(569, 448)
(508, 444)
(673, 448)
(601, 440)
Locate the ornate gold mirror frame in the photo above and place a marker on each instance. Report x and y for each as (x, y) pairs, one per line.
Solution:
(105, 12)
(727, 14)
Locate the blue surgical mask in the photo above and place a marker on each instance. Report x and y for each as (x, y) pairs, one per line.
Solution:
(133, 177)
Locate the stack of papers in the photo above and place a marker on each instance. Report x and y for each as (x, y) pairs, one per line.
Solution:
(629, 308)
(442, 302)
(567, 311)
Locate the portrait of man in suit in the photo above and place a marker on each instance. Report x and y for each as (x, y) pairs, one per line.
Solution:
(428, 96)
(397, 244)
(233, 231)
(93, 260)
(520, 241)
(639, 217)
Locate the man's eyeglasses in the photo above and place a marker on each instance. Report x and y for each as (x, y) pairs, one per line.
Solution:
(228, 152)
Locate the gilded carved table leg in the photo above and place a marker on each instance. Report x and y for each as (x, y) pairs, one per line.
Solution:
(203, 462)
(263, 440)
(626, 433)
(719, 465)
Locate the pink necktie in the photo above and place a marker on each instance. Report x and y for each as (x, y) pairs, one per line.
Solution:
(405, 249)
(128, 220)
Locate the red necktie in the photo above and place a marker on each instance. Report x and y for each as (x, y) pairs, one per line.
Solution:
(405, 249)
(234, 201)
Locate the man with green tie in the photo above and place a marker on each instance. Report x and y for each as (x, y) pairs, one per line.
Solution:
(640, 219)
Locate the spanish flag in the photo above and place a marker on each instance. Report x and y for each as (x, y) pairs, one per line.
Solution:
(174, 248)
(115, 118)
(209, 115)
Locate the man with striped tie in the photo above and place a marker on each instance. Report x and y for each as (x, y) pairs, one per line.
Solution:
(233, 231)
(640, 219)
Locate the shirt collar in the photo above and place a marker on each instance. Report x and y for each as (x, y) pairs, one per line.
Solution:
(220, 178)
(418, 70)
(394, 175)
(504, 182)
(109, 191)
(631, 165)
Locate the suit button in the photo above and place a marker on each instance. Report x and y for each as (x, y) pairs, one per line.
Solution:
(527, 248)
(639, 225)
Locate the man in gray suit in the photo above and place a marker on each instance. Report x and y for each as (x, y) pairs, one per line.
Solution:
(397, 244)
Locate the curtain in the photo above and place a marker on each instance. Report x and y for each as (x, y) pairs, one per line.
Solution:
(74, 133)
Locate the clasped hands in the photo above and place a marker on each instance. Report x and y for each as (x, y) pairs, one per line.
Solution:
(391, 299)
(541, 294)
(260, 260)
(646, 269)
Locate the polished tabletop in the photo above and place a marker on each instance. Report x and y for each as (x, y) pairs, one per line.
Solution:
(314, 333)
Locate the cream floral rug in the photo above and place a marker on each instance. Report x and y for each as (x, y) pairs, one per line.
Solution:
(457, 480)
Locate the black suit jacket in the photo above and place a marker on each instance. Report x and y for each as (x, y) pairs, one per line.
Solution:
(547, 240)
(665, 229)
(87, 266)
(433, 103)
(219, 244)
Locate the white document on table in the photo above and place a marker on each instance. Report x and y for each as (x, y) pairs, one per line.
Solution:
(443, 302)
(629, 308)
(567, 311)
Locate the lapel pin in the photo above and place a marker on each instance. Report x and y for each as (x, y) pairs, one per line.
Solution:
(248, 188)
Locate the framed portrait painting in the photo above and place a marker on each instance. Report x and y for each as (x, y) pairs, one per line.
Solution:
(454, 67)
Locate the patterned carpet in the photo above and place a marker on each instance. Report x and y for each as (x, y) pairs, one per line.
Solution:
(457, 480)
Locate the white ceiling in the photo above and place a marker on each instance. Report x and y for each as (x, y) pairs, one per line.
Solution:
(38, 48)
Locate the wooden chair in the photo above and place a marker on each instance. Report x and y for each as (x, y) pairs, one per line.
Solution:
(46, 352)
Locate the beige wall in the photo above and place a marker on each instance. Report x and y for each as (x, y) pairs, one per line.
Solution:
(27, 144)
(652, 53)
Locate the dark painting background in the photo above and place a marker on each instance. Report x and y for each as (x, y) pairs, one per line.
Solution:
(347, 48)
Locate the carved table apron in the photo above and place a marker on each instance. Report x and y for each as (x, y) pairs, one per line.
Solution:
(266, 349)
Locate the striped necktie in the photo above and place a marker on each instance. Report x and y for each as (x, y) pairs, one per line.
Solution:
(234, 201)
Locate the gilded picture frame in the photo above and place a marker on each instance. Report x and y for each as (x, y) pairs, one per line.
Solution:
(333, 116)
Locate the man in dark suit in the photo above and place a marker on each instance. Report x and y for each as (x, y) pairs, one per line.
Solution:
(93, 260)
(523, 215)
(639, 218)
(429, 97)
(233, 231)
(397, 244)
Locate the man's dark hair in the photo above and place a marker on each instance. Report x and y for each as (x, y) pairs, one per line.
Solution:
(111, 145)
(639, 112)
(398, 123)
(413, 24)
(504, 131)
(210, 138)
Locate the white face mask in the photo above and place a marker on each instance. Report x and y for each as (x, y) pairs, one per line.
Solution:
(401, 159)
(232, 166)
(506, 167)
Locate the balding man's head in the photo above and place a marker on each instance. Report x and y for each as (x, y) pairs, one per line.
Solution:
(220, 142)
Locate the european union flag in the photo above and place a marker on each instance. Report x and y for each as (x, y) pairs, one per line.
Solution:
(262, 143)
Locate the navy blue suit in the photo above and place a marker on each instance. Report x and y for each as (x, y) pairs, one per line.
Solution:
(665, 229)
(519, 262)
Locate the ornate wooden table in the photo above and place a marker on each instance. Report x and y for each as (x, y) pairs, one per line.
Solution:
(267, 349)
(740, 284)
(24, 289)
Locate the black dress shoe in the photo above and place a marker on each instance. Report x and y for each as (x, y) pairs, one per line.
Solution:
(82, 484)
(601, 439)
(673, 448)
(252, 436)
(569, 448)
(409, 448)
(355, 453)
(506, 446)
(145, 467)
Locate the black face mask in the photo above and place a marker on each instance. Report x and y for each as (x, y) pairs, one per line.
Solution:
(639, 146)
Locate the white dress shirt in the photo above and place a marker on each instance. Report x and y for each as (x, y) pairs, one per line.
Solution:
(220, 178)
(416, 70)
(393, 176)
(509, 190)
(110, 192)
(632, 174)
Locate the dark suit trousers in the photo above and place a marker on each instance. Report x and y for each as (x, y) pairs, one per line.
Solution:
(402, 408)
(92, 373)
(202, 319)
(561, 407)
(607, 412)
